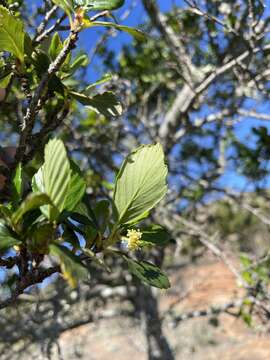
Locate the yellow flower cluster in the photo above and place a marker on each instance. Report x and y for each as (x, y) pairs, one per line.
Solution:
(133, 239)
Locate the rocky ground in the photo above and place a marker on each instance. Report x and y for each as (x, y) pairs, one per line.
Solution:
(194, 287)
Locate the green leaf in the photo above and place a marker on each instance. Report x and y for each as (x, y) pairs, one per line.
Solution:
(66, 5)
(102, 213)
(11, 34)
(140, 183)
(105, 104)
(17, 184)
(99, 5)
(69, 235)
(155, 235)
(55, 47)
(39, 238)
(5, 81)
(71, 266)
(33, 201)
(6, 213)
(105, 78)
(137, 34)
(7, 240)
(76, 189)
(53, 178)
(148, 273)
(81, 60)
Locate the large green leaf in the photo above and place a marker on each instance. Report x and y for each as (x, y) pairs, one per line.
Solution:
(105, 104)
(11, 34)
(140, 183)
(56, 174)
(99, 5)
(148, 273)
(53, 178)
(7, 240)
(33, 201)
(71, 266)
(76, 189)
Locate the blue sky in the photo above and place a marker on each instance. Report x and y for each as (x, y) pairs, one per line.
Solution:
(136, 17)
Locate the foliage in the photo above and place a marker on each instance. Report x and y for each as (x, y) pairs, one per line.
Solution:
(46, 215)
(81, 196)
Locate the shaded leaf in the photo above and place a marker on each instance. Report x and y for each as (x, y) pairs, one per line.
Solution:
(7, 240)
(33, 201)
(105, 104)
(102, 213)
(148, 273)
(155, 235)
(71, 266)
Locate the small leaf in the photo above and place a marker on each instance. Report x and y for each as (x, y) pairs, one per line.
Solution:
(148, 273)
(66, 5)
(33, 201)
(99, 5)
(105, 78)
(105, 104)
(11, 34)
(80, 61)
(96, 259)
(5, 81)
(7, 240)
(71, 266)
(55, 47)
(137, 34)
(69, 235)
(17, 184)
(140, 183)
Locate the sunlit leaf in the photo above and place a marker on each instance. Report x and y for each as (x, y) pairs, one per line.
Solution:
(140, 183)
(99, 5)
(11, 34)
(137, 34)
(53, 178)
(76, 189)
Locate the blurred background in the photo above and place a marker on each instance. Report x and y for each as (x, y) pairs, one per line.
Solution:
(199, 84)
